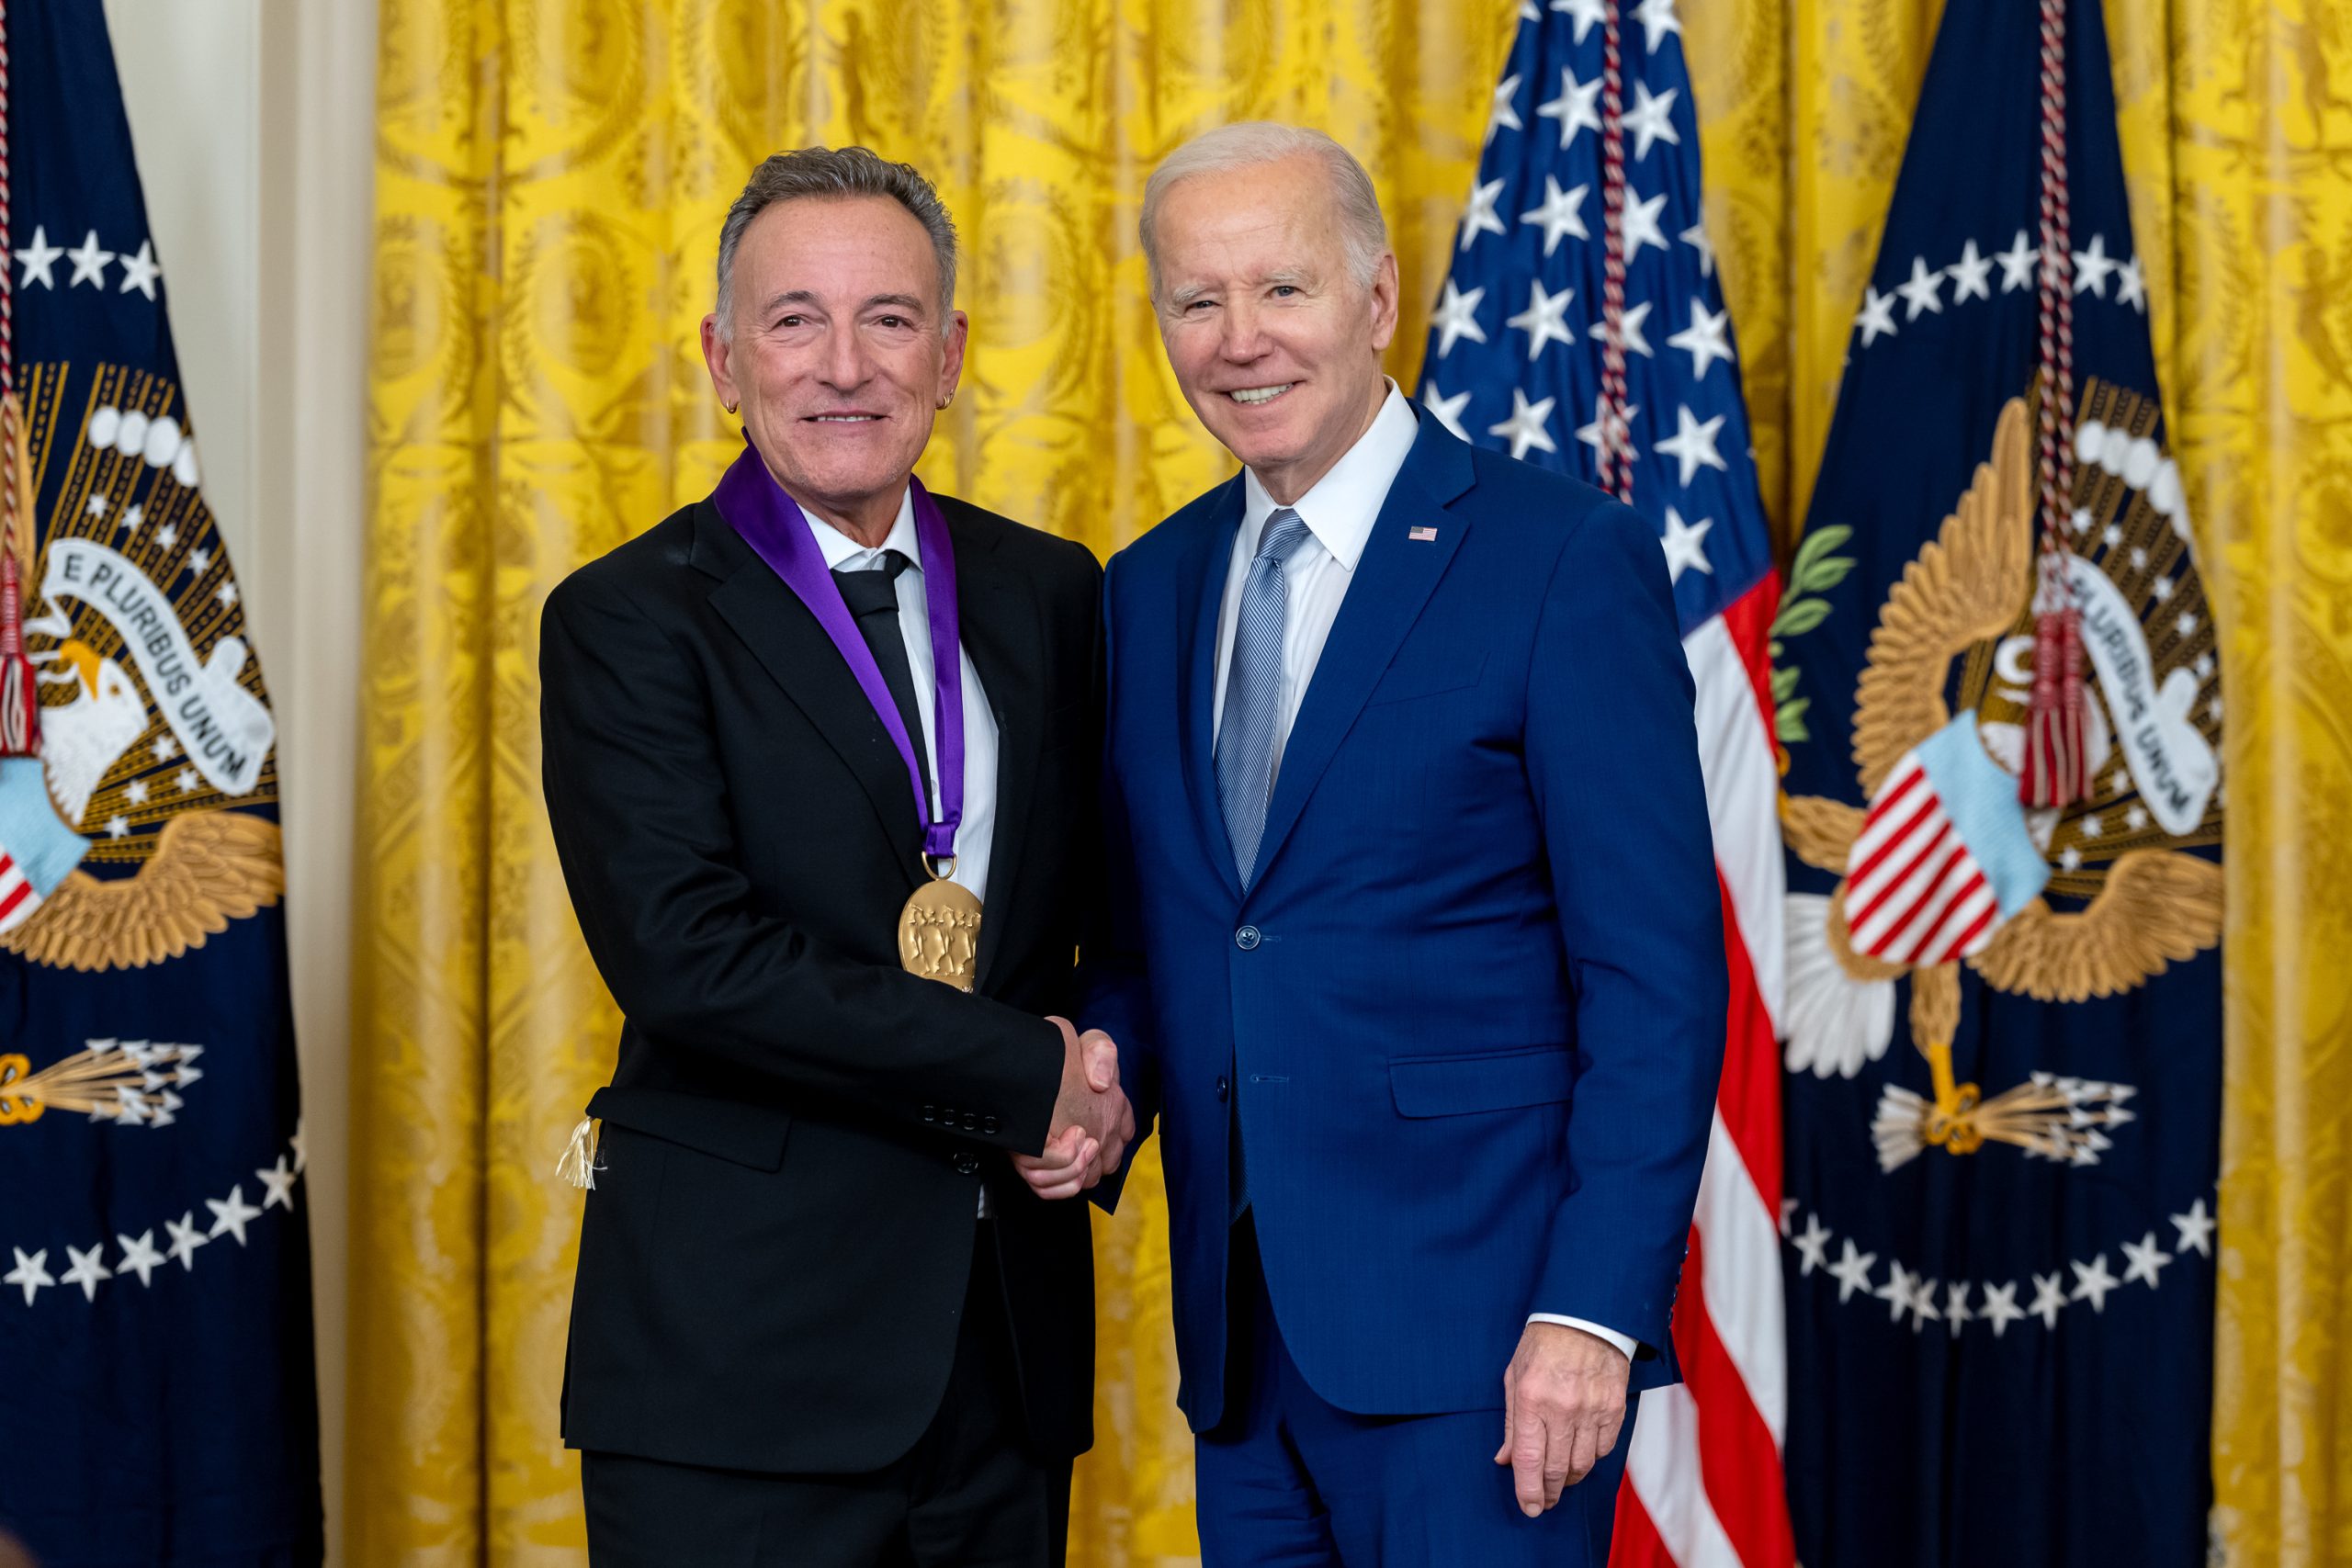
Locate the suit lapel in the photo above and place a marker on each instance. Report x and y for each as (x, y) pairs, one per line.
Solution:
(1003, 634)
(1200, 598)
(1393, 580)
(794, 649)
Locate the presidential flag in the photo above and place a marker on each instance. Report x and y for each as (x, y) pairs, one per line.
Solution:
(158, 1405)
(2004, 818)
(1584, 328)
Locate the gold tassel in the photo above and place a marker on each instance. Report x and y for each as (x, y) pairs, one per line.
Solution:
(579, 1164)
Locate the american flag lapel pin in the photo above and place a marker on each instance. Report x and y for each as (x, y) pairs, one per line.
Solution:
(1422, 536)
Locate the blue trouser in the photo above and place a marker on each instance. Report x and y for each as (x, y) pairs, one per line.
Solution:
(1289, 1481)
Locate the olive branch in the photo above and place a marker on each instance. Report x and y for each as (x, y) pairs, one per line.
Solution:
(1811, 575)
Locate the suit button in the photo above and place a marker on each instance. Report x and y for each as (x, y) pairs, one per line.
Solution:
(1223, 1089)
(971, 1122)
(967, 1165)
(1246, 938)
(987, 1126)
(931, 1113)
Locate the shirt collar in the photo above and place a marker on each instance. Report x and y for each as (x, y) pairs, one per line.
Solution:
(1344, 503)
(839, 550)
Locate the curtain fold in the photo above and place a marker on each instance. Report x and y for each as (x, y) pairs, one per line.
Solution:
(551, 175)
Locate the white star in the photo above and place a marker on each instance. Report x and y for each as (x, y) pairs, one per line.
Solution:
(90, 264)
(1630, 325)
(1591, 433)
(2161, 589)
(2132, 286)
(277, 1185)
(2082, 520)
(2203, 666)
(301, 1155)
(186, 779)
(1449, 410)
(2093, 1282)
(1970, 275)
(1696, 238)
(2093, 827)
(1577, 108)
(1480, 218)
(1685, 545)
(2196, 1228)
(1693, 442)
(1640, 225)
(1897, 1292)
(1705, 339)
(135, 792)
(41, 260)
(2145, 1259)
(139, 1257)
(118, 827)
(2000, 1308)
(97, 505)
(1657, 19)
(2091, 267)
(2016, 263)
(1506, 115)
(227, 594)
(134, 516)
(2069, 859)
(187, 1236)
(166, 747)
(231, 1215)
(33, 1274)
(1956, 1305)
(1558, 215)
(1852, 1271)
(1876, 318)
(140, 272)
(2187, 623)
(1923, 1304)
(2113, 535)
(1545, 320)
(1650, 120)
(1812, 1247)
(1457, 318)
(1525, 426)
(86, 1272)
(1585, 12)
(2137, 817)
(2049, 1299)
(1921, 292)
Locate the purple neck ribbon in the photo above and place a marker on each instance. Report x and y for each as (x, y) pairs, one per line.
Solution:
(772, 523)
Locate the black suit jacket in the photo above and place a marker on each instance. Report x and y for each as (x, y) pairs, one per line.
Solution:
(776, 1250)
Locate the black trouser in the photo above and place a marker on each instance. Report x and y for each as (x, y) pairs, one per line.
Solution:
(971, 1493)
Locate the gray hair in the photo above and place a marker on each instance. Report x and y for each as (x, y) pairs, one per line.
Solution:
(1250, 142)
(835, 173)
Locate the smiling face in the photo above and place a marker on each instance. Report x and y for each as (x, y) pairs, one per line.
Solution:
(838, 358)
(1275, 342)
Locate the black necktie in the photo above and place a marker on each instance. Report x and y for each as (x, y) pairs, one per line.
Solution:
(873, 597)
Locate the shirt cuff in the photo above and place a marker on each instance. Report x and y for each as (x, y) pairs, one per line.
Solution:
(1625, 1345)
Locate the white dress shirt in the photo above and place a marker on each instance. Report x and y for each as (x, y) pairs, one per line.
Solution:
(974, 838)
(1339, 512)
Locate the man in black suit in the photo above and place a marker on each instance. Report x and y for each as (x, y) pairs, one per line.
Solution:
(794, 738)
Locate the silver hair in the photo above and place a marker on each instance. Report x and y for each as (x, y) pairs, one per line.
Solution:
(1250, 142)
(833, 173)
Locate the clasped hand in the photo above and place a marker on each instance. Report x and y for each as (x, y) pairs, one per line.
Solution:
(1093, 1123)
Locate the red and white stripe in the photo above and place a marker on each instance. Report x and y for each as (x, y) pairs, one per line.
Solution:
(1914, 894)
(18, 899)
(1703, 1485)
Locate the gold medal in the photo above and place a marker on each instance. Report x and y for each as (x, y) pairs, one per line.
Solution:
(939, 932)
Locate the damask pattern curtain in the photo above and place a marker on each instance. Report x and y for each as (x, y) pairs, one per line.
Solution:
(549, 181)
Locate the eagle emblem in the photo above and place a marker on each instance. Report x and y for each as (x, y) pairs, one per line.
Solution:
(1944, 867)
(132, 838)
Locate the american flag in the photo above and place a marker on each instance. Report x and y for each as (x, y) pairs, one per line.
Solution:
(1583, 328)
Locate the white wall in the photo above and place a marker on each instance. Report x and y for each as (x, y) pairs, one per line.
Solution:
(254, 125)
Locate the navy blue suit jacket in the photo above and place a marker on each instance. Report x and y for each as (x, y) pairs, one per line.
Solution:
(1473, 1007)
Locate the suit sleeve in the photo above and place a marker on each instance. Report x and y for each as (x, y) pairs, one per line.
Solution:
(1612, 755)
(643, 829)
(1115, 991)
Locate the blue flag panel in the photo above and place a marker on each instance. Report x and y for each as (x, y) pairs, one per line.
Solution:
(2003, 1074)
(155, 1256)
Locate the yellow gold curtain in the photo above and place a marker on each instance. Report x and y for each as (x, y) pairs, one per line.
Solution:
(550, 175)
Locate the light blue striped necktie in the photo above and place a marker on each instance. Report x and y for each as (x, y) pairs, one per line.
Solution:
(1253, 691)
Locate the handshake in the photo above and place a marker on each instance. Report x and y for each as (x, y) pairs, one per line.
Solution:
(1093, 1123)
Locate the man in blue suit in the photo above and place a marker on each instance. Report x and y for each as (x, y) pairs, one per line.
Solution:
(1422, 964)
